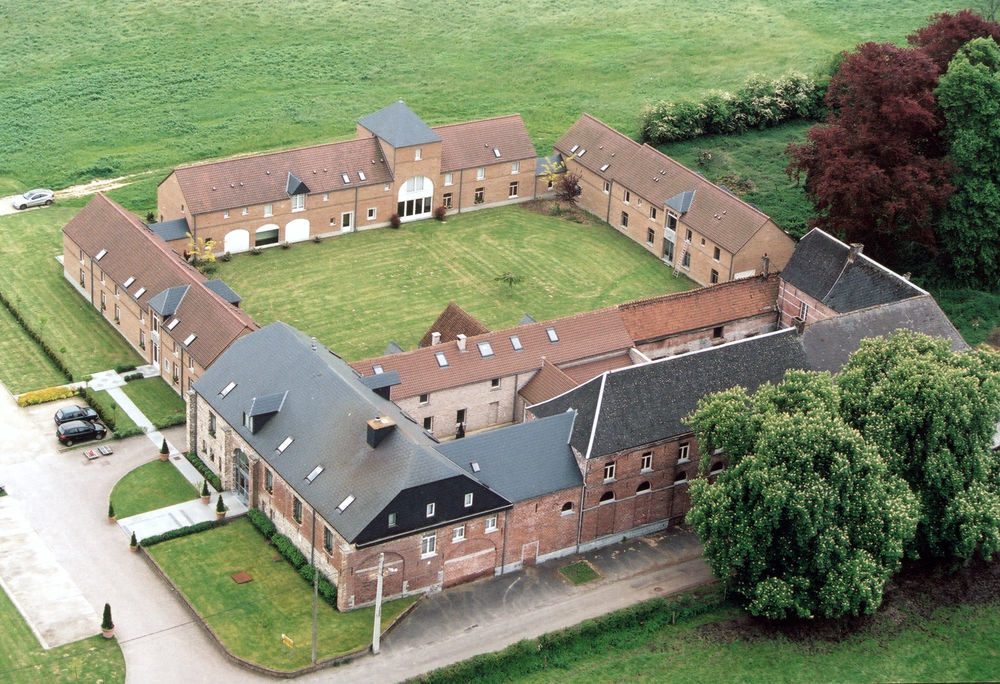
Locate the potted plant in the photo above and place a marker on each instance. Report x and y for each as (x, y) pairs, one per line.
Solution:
(133, 544)
(204, 491)
(164, 450)
(107, 626)
(111, 512)
(220, 508)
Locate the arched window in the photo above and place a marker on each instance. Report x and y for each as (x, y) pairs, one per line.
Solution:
(642, 488)
(607, 497)
(567, 508)
(680, 477)
(415, 198)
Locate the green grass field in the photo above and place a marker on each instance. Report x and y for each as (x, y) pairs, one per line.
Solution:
(157, 400)
(250, 618)
(156, 484)
(99, 89)
(24, 661)
(357, 292)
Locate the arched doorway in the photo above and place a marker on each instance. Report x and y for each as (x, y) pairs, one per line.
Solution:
(415, 198)
(297, 230)
(237, 241)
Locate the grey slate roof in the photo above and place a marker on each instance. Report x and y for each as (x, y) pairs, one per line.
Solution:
(681, 202)
(220, 288)
(295, 186)
(820, 267)
(522, 461)
(171, 230)
(550, 164)
(393, 348)
(166, 302)
(526, 319)
(399, 126)
(325, 413)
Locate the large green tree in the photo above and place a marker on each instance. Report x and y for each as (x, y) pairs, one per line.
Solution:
(807, 521)
(932, 413)
(969, 229)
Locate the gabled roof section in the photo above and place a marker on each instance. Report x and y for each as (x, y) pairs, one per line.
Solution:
(399, 126)
(547, 383)
(295, 186)
(165, 303)
(177, 229)
(644, 170)
(393, 348)
(220, 288)
(527, 319)
(471, 144)
(269, 403)
(522, 461)
(262, 178)
(681, 202)
(550, 164)
(454, 321)
(823, 267)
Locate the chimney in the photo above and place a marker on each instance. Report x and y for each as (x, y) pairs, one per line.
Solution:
(461, 342)
(800, 324)
(765, 265)
(435, 338)
(855, 251)
(314, 344)
(378, 429)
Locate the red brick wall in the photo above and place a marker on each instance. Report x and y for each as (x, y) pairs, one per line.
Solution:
(790, 300)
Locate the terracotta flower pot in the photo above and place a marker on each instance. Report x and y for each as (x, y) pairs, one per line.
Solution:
(219, 515)
(164, 457)
(205, 499)
(108, 633)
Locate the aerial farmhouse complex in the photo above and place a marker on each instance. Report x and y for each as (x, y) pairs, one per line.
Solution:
(481, 451)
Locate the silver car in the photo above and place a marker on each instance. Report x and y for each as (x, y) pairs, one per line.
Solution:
(33, 198)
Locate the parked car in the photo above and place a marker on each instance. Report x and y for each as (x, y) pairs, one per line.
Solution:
(33, 198)
(64, 415)
(80, 431)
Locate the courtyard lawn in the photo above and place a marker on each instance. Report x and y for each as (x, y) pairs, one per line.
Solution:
(24, 661)
(250, 618)
(136, 87)
(25, 366)
(357, 292)
(156, 484)
(123, 422)
(157, 400)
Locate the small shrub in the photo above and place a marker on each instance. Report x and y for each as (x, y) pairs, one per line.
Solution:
(225, 256)
(45, 395)
(395, 221)
(130, 431)
(179, 532)
(316, 239)
(288, 550)
(164, 449)
(220, 505)
(106, 622)
(256, 251)
(111, 510)
(440, 213)
(133, 541)
(263, 524)
(204, 488)
(132, 376)
(124, 367)
(286, 244)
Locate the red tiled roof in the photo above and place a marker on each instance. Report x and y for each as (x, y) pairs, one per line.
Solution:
(454, 320)
(134, 251)
(721, 217)
(547, 383)
(470, 144)
(583, 372)
(593, 333)
(652, 319)
(263, 178)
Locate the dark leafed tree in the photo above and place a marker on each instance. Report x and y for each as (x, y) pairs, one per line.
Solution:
(969, 229)
(567, 187)
(807, 521)
(932, 414)
(875, 171)
(946, 33)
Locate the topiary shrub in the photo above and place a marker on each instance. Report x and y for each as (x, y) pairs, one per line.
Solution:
(133, 542)
(220, 505)
(164, 449)
(111, 510)
(106, 622)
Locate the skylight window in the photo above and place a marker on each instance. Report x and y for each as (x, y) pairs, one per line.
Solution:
(361, 175)
(515, 342)
(475, 466)
(551, 332)
(100, 255)
(314, 474)
(190, 339)
(605, 167)
(347, 179)
(485, 349)
(574, 149)
(128, 283)
(377, 369)
(581, 153)
(141, 291)
(227, 389)
(284, 445)
(442, 361)
(173, 324)
(496, 152)
(345, 503)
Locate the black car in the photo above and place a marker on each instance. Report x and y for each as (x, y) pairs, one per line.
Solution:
(64, 415)
(80, 431)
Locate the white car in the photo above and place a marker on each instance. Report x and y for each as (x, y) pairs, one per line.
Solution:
(33, 198)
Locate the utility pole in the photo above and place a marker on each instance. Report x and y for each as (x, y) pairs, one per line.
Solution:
(377, 629)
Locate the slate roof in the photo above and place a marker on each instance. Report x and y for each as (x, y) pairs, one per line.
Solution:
(177, 229)
(166, 302)
(454, 320)
(471, 144)
(134, 251)
(715, 213)
(325, 413)
(264, 178)
(821, 267)
(550, 164)
(220, 288)
(399, 126)
(393, 348)
(505, 457)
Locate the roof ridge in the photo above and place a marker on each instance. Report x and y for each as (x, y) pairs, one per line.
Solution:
(257, 155)
(597, 414)
(474, 121)
(729, 284)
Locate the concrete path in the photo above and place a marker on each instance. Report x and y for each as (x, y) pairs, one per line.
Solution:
(179, 515)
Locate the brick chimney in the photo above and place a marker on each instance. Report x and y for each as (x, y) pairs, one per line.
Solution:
(765, 265)
(461, 342)
(378, 429)
(855, 251)
(435, 338)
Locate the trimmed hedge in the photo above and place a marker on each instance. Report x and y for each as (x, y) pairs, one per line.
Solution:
(288, 550)
(261, 522)
(125, 367)
(34, 335)
(45, 395)
(327, 590)
(130, 431)
(106, 413)
(178, 419)
(205, 471)
(180, 532)
(132, 376)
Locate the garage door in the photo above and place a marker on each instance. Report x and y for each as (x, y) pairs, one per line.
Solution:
(297, 230)
(237, 241)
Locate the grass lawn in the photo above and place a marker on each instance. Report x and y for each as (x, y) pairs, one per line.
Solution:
(156, 484)
(580, 572)
(24, 366)
(134, 88)
(250, 618)
(155, 398)
(23, 660)
(357, 292)
(122, 419)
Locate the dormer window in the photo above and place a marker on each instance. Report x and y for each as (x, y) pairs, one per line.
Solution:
(468, 500)
(392, 520)
(551, 332)
(485, 349)
(442, 361)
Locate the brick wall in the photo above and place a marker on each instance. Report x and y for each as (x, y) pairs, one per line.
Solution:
(485, 406)
(790, 301)
(170, 200)
(770, 240)
(706, 337)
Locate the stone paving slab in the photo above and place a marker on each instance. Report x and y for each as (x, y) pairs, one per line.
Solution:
(179, 515)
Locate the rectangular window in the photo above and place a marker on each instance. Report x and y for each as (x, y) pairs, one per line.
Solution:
(515, 167)
(104, 301)
(268, 210)
(460, 416)
(392, 520)
(424, 398)
(715, 276)
(671, 222)
(298, 202)
(468, 500)
(447, 200)
(716, 253)
(428, 545)
(515, 342)
(803, 310)
(83, 278)
(480, 196)
(551, 332)
(628, 196)
(687, 235)
(431, 507)
(225, 214)
(481, 173)
(372, 212)
(142, 339)
(684, 452)
(449, 179)
(495, 383)
(442, 360)
(190, 363)
(458, 534)
(328, 540)
(485, 349)
(650, 236)
(346, 220)
(297, 509)
(717, 333)
(652, 213)
(118, 314)
(491, 523)
(175, 347)
(326, 195)
(268, 480)
(211, 424)
(513, 189)
(429, 423)
(607, 187)
(417, 154)
(647, 460)
(686, 262)
(609, 471)
(625, 219)
(245, 211)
